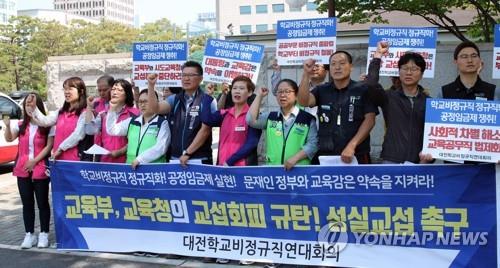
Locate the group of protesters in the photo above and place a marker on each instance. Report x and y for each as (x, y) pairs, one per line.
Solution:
(315, 118)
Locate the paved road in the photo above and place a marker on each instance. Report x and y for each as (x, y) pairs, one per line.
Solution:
(12, 234)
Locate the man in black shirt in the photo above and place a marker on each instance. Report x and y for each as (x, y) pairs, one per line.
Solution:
(468, 84)
(345, 114)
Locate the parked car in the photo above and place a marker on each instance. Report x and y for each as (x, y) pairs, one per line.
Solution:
(8, 150)
(19, 96)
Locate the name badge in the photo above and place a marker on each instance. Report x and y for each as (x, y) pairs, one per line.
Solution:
(239, 129)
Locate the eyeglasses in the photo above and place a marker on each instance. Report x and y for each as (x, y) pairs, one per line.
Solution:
(189, 75)
(141, 102)
(285, 92)
(466, 56)
(413, 69)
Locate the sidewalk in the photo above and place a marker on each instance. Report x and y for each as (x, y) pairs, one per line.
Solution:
(12, 234)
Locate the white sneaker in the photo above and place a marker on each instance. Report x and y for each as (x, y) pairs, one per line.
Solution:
(43, 240)
(222, 261)
(29, 241)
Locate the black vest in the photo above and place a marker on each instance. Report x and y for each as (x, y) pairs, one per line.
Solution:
(184, 125)
(456, 90)
(349, 104)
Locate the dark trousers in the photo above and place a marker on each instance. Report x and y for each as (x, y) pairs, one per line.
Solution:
(29, 189)
(362, 159)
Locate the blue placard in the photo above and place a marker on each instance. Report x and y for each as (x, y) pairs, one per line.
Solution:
(160, 51)
(404, 36)
(497, 35)
(463, 112)
(432, 210)
(308, 28)
(234, 50)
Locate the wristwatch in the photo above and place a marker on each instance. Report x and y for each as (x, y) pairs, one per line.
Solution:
(185, 152)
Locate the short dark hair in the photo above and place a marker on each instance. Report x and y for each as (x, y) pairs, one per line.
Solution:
(349, 57)
(108, 79)
(193, 64)
(248, 81)
(145, 91)
(129, 94)
(463, 45)
(290, 82)
(415, 57)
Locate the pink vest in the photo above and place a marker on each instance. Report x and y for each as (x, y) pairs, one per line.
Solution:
(66, 124)
(233, 134)
(112, 143)
(39, 142)
(99, 106)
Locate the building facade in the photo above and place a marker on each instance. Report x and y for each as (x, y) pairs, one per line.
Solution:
(8, 8)
(241, 17)
(121, 11)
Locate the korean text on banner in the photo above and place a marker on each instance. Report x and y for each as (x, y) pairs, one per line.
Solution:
(402, 40)
(496, 53)
(299, 40)
(462, 130)
(225, 60)
(362, 216)
(162, 58)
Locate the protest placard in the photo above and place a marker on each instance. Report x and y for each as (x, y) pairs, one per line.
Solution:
(225, 60)
(402, 40)
(299, 40)
(162, 58)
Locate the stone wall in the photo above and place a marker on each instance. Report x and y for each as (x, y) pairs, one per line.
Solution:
(87, 67)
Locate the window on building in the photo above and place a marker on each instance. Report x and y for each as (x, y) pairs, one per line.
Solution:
(261, 27)
(275, 26)
(278, 8)
(244, 10)
(261, 9)
(244, 29)
(3, 18)
(311, 6)
(295, 9)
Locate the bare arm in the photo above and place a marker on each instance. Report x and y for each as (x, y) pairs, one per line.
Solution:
(119, 152)
(253, 112)
(154, 105)
(305, 98)
(198, 141)
(223, 96)
(361, 135)
(292, 161)
(46, 150)
(8, 135)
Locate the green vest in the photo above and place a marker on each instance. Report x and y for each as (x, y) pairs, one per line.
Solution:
(278, 147)
(136, 145)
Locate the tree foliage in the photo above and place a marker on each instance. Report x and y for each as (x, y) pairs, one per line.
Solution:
(436, 12)
(26, 43)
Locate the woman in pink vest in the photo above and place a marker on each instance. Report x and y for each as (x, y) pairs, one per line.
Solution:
(237, 141)
(69, 120)
(34, 146)
(121, 107)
